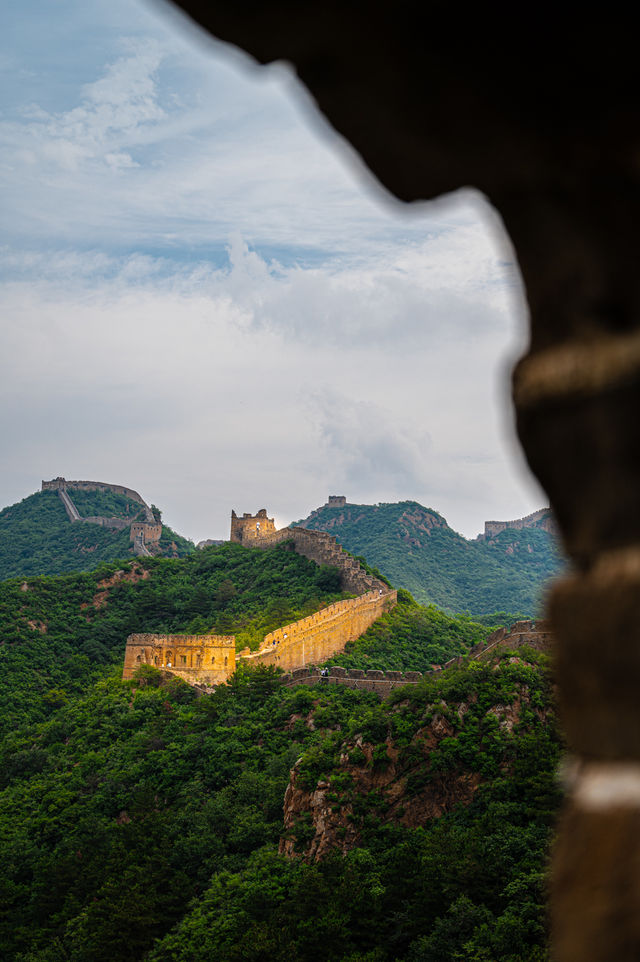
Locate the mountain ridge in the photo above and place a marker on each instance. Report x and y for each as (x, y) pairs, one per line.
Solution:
(505, 569)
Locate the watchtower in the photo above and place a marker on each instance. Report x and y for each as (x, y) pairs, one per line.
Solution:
(251, 527)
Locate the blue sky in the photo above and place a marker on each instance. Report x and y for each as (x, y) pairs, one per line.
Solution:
(205, 295)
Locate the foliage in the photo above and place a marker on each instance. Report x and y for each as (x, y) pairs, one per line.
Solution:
(37, 538)
(56, 633)
(141, 822)
(415, 548)
(108, 504)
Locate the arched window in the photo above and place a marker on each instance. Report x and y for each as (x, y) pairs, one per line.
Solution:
(138, 658)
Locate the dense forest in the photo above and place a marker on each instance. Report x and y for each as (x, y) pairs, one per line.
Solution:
(37, 538)
(417, 550)
(142, 820)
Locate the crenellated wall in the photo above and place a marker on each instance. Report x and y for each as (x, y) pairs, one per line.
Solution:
(380, 682)
(197, 659)
(542, 519)
(321, 635)
(61, 484)
(323, 548)
(535, 635)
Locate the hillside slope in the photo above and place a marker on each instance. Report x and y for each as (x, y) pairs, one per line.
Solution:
(37, 538)
(140, 822)
(57, 634)
(415, 548)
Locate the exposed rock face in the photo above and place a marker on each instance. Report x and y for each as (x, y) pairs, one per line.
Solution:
(333, 816)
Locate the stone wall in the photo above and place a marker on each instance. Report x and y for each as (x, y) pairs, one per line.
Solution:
(197, 659)
(380, 682)
(535, 635)
(321, 635)
(542, 519)
(61, 484)
(323, 548)
(312, 639)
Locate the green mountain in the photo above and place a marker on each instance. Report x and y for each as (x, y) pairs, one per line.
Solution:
(142, 821)
(37, 537)
(58, 634)
(413, 546)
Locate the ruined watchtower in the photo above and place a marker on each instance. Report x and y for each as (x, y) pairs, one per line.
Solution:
(251, 527)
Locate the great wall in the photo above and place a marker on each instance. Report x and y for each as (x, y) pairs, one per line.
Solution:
(210, 659)
(536, 635)
(143, 535)
(542, 519)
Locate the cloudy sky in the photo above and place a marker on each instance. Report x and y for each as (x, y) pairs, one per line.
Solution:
(205, 296)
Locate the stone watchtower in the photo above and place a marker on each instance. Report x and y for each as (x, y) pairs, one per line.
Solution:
(336, 501)
(251, 527)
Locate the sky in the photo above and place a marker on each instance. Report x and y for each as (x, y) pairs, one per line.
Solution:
(205, 295)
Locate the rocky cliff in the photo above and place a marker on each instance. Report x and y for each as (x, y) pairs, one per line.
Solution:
(420, 758)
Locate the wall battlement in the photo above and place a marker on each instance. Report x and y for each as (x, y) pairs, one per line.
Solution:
(321, 635)
(542, 519)
(535, 635)
(380, 682)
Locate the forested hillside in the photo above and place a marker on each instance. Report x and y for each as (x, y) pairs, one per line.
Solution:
(141, 821)
(416, 549)
(37, 538)
(59, 633)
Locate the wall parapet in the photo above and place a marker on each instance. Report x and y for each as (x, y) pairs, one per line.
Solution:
(61, 484)
(321, 635)
(542, 519)
(323, 548)
(382, 683)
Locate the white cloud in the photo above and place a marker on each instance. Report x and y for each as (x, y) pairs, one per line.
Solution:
(201, 300)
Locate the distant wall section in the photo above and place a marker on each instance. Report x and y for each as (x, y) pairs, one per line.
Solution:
(142, 533)
(61, 484)
(542, 519)
(323, 548)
